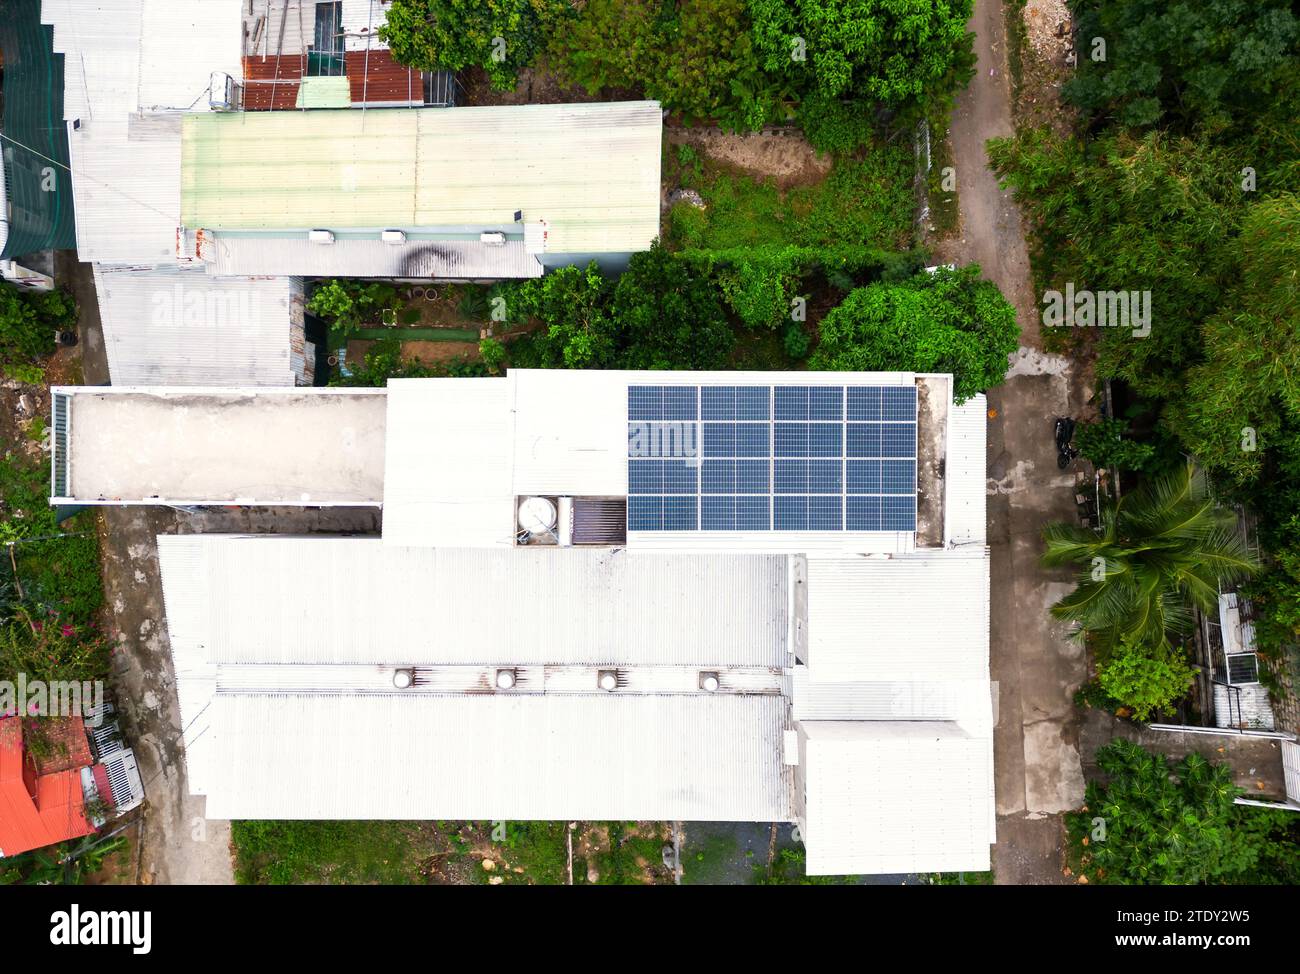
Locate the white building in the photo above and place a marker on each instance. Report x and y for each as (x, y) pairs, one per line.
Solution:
(774, 608)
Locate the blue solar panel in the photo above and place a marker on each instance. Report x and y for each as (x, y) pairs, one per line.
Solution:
(785, 458)
(655, 439)
(898, 403)
(735, 402)
(863, 440)
(897, 476)
(734, 514)
(662, 403)
(864, 404)
(898, 440)
(734, 477)
(862, 477)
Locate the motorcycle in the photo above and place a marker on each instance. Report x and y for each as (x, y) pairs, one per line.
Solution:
(1065, 452)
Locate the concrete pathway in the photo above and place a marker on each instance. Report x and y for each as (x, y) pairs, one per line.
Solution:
(1035, 668)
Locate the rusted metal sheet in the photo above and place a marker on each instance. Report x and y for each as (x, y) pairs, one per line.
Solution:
(271, 83)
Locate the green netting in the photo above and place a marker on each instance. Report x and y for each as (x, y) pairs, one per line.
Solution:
(35, 136)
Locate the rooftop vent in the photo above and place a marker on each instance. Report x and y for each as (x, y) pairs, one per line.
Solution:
(600, 520)
(402, 679)
(709, 681)
(537, 520)
(492, 238)
(320, 236)
(607, 680)
(505, 679)
(393, 236)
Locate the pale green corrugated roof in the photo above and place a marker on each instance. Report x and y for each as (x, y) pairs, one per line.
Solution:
(324, 92)
(590, 171)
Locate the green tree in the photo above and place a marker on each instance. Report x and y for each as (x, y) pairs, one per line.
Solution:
(1155, 214)
(1186, 60)
(849, 58)
(948, 321)
(30, 322)
(1166, 823)
(1107, 444)
(1161, 551)
(500, 36)
(1245, 396)
(1145, 679)
(696, 57)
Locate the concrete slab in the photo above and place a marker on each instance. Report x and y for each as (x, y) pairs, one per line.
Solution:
(323, 446)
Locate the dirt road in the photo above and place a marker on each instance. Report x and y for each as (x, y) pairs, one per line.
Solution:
(1035, 669)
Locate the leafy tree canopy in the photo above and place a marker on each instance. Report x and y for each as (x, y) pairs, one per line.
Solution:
(1244, 399)
(1185, 61)
(1167, 823)
(500, 36)
(948, 321)
(1161, 550)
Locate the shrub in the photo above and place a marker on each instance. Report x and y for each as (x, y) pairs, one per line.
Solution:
(949, 321)
(29, 325)
(500, 36)
(1105, 443)
(1145, 680)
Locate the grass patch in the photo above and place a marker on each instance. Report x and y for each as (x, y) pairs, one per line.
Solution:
(866, 200)
(945, 212)
(280, 853)
(1015, 20)
(960, 879)
(61, 574)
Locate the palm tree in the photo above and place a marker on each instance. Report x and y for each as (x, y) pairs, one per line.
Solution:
(1161, 551)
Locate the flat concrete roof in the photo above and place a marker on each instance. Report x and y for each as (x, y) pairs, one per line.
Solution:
(178, 446)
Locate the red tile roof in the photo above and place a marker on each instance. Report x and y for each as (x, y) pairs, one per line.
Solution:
(52, 814)
(70, 750)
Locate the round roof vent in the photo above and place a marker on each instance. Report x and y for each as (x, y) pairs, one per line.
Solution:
(537, 515)
(505, 679)
(402, 679)
(709, 682)
(608, 680)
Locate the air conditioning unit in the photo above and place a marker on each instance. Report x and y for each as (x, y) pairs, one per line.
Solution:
(494, 238)
(393, 236)
(320, 236)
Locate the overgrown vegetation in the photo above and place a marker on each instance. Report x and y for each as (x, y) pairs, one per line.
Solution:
(1153, 821)
(945, 321)
(1159, 552)
(29, 325)
(499, 36)
(841, 68)
(866, 201)
(1183, 182)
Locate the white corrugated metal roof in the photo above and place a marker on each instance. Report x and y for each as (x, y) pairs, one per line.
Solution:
(447, 472)
(497, 756)
(182, 42)
(172, 326)
(121, 58)
(959, 700)
(361, 22)
(126, 188)
(895, 797)
(919, 617)
(187, 609)
(440, 259)
(358, 600)
(966, 473)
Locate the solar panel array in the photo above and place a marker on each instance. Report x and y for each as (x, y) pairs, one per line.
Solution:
(771, 458)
